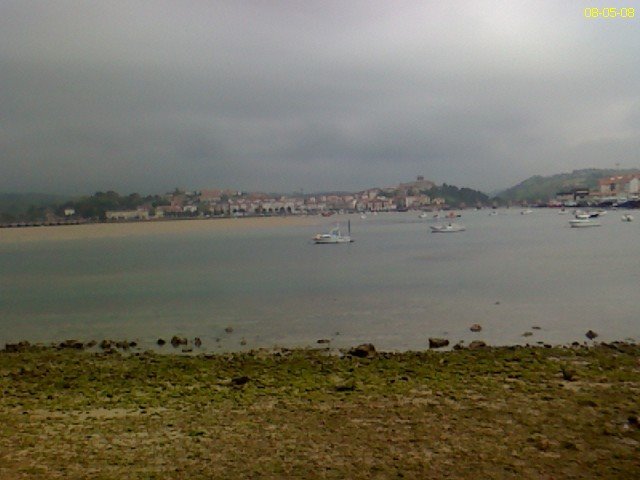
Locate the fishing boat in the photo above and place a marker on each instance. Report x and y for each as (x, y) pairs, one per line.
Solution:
(334, 236)
(526, 212)
(447, 228)
(583, 223)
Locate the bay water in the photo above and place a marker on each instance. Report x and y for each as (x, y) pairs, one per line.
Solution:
(395, 286)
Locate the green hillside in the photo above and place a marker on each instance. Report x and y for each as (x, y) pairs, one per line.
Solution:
(538, 188)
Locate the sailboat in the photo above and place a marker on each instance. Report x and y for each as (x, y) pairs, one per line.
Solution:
(334, 236)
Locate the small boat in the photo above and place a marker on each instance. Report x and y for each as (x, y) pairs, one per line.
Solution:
(582, 223)
(526, 212)
(423, 215)
(493, 213)
(334, 236)
(447, 228)
(627, 217)
(363, 216)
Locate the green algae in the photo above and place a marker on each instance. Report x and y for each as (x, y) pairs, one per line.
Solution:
(491, 413)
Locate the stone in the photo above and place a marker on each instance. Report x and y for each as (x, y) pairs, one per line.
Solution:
(438, 342)
(527, 334)
(475, 327)
(459, 345)
(477, 345)
(197, 342)
(239, 380)
(16, 347)
(243, 342)
(106, 344)
(591, 334)
(161, 341)
(229, 329)
(324, 340)
(177, 340)
(365, 350)
(71, 344)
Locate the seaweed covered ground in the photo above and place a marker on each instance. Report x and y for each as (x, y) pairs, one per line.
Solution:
(517, 412)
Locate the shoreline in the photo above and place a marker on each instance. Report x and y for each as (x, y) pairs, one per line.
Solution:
(499, 412)
(88, 231)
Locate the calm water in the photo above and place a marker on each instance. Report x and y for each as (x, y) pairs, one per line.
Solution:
(395, 287)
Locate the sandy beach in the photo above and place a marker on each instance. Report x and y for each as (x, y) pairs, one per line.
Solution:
(160, 227)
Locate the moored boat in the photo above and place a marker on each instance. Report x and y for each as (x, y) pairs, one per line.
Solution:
(627, 217)
(582, 223)
(447, 228)
(334, 236)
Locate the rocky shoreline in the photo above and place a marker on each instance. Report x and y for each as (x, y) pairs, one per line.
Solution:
(491, 412)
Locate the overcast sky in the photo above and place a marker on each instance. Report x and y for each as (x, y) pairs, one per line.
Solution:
(319, 95)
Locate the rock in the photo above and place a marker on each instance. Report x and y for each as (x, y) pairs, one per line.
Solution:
(187, 350)
(346, 386)
(497, 303)
(243, 342)
(633, 420)
(477, 345)
(365, 350)
(71, 344)
(459, 345)
(197, 342)
(123, 344)
(591, 334)
(229, 329)
(475, 327)
(527, 334)
(177, 340)
(438, 342)
(133, 344)
(239, 380)
(91, 344)
(568, 374)
(535, 328)
(324, 340)
(106, 344)
(161, 341)
(16, 347)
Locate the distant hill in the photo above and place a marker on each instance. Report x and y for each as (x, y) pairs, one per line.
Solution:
(19, 203)
(538, 188)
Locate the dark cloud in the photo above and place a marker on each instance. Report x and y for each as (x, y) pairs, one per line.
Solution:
(284, 95)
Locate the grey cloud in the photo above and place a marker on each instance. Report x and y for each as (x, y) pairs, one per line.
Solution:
(314, 95)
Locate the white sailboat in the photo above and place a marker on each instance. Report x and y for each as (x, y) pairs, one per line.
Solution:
(334, 236)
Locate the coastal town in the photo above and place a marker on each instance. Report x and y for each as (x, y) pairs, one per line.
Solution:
(419, 195)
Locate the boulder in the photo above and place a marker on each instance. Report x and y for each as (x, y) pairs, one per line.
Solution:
(161, 341)
(591, 334)
(438, 342)
(197, 342)
(477, 345)
(365, 350)
(476, 327)
(229, 329)
(106, 344)
(324, 340)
